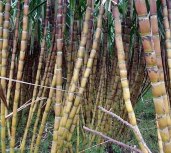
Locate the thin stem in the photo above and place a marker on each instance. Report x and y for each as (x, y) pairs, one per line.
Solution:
(134, 128)
(112, 140)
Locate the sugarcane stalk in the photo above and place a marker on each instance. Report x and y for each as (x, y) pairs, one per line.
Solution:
(41, 93)
(19, 73)
(58, 104)
(1, 28)
(84, 79)
(5, 43)
(74, 80)
(43, 44)
(124, 80)
(158, 86)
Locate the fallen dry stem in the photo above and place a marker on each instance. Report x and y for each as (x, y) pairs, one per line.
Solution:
(121, 144)
(134, 128)
(116, 116)
(33, 84)
(24, 106)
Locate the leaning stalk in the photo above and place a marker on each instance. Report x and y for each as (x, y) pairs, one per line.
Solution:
(124, 80)
(85, 77)
(72, 88)
(19, 73)
(43, 44)
(58, 104)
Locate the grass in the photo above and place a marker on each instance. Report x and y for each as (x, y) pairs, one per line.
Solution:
(145, 114)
